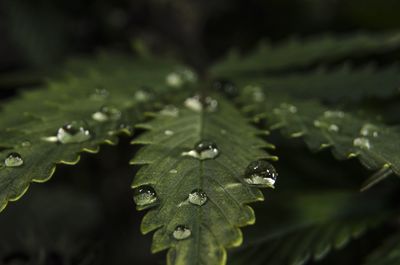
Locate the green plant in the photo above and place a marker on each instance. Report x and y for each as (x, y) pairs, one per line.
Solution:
(205, 155)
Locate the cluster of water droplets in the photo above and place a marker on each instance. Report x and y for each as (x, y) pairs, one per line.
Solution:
(106, 113)
(203, 150)
(367, 131)
(195, 103)
(328, 121)
(180, 77)
(257, 93)
(74, 132)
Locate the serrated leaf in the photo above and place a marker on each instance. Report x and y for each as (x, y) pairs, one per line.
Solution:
(348, 135)
(335, 85)
(27, 122)
(215, 225)
(311, 236)
(297, 53)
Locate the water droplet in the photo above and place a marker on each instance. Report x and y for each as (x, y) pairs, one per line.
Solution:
(288, 107)
(362, 143)
(260, 173)
(333, 128)
(144, 94)
(99, 94)
(174, 80)
(145, 196)
(173, 171)
(369, 130)
(74, 132)
(257, 93)
(211, 104)
(168, 132)
(170, 110)
(106, 113)
(198, 197)
(50, 139)
(13, 160)
(26, 144)
(334, 114)
(194, 103)
(226, 87)
(181, 232)
(203, 150)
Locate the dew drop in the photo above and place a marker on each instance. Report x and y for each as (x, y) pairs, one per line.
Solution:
(288, 107)
(369, 130)
(333, 128)
(174, 80)
(226, 87)
(173, 171)
(362, 142)
(194, 103)
(106, 113)
(203, 150)
(211, 104)
(257, 93)
(260, 173)
(168, 132)
(99, 94)
(74, 132)
(144, 196)
(170, 110)
(144, 94)
(13, 160)
(334, 114)
(181, 232)
(198, 197)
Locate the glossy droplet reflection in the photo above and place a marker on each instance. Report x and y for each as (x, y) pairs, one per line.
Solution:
(198, 197)
(144, 196)
(106, 113)
(181, 232)
(260, 173)
(13, 160)
(74, 132)
(203, 150)
(194, 103)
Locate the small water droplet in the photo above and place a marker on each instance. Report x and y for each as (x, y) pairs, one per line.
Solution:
(99, 94)
(74, 132)
(198, 197)
(144, 94)
(174, 80)
(106, 113)
(333, 128)
(260, 173)
(334, 114)
(369, 130)
(226, 87)
(170, 110)
(181, 232)
(145, 196)
(13, 160)
(168, 132)
(257, 93)
(203, 150)
(194, 103)
(173, 171)
(26, 144)
(362, 142)
(50, 139)
(211, 104)
(288, 107)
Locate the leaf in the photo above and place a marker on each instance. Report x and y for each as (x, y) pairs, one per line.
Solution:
(29, 124)
(348, 135)
(302, 53)
(337, 85)
(311, 231)
(214, 225)
(386, 254)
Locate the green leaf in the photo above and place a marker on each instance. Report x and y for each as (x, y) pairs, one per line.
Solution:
(336, 85)
(29, 125)
(214, 225)
(387, 254)
(302, 53)
(348, 135)
(318, 223)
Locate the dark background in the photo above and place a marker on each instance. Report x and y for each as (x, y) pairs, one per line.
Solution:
(85, 214)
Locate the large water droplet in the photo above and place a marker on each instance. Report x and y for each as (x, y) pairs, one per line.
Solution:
(99, 94)
(362, 142)
(369, 130)
(181, 232)
(13, 160)
(145, 196)
(106, 113)
(226, 87)
(198, 197)
(170, 110)
(260, 173)
(74, 132)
